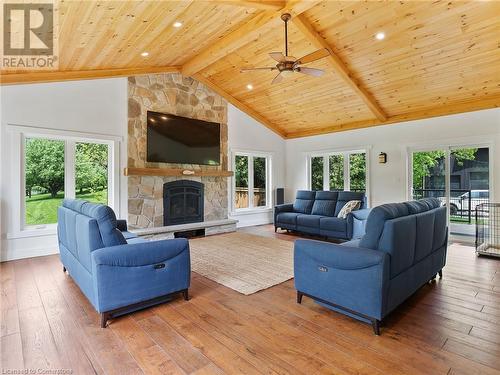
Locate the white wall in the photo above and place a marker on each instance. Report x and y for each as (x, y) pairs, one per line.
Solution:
(94, 107)
(246, 134)
(388, 182)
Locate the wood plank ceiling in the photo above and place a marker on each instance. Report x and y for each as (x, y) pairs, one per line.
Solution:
(437, 58)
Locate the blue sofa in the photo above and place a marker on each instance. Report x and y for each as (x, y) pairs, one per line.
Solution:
(118, 272)
(404, 247)
(315, 212)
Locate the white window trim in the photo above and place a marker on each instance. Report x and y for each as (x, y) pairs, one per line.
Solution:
(269, 182)
(347, 177)
(19, 134)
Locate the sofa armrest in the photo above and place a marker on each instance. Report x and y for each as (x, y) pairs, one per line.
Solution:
(361, 214)
(338, 256)
(139, 254)
(125, 275)
(356, 223)
(287, 207)
(354, 278)
(121, 224)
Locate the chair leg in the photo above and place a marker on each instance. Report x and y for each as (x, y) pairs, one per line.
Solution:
(275, 229)
(64, 269)
(441, 274)
(376, 327)
(299, 296)
(104, 319)
(185, 294)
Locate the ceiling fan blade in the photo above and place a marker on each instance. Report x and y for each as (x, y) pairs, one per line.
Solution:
(243, 70)
(316, 55)
(278, 56)
(277, 79)
(310, 71)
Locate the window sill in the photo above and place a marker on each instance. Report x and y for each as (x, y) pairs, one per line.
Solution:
(48, 230)
(251, 211)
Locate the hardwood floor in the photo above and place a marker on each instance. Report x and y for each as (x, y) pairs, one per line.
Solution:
(451, 326)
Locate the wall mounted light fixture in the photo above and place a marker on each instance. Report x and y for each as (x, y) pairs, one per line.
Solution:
(382, 158)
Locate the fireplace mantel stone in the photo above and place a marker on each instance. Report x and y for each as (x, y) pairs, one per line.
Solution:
(182, 96)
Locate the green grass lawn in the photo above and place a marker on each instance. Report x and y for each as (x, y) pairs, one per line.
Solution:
(42, 208)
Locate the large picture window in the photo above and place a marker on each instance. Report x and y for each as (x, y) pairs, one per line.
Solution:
(251, 188)
(338, 171)
(55, 169)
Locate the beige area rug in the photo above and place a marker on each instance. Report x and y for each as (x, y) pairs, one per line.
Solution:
(244, 262)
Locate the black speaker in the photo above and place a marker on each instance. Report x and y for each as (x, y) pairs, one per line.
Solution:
(280, 195)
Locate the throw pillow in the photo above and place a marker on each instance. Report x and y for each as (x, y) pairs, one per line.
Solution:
(348, 208)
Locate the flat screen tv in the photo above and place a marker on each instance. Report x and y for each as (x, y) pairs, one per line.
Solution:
(175, 139)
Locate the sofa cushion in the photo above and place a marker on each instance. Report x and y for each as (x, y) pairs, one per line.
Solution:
(304, 201)
(309, 220)
(416, 207)
(333, 224)
(376, 221)
(348, 208)
(287, 218)
(346, 196)
(325, 203)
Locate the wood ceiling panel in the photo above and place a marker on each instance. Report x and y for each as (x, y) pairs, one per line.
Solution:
(434, 53)
(113, 34)
(437, 58)
(299, 99)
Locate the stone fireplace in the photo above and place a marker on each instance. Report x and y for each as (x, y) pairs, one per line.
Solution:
(182, 96)
(183, 202)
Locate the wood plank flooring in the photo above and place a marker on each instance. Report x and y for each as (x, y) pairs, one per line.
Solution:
(451, 326)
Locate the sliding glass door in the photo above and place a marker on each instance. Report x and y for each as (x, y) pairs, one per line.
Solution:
(458, 176)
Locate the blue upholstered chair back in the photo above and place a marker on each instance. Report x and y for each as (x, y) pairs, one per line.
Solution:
(84, 227)
(408, 231)
(304, 201)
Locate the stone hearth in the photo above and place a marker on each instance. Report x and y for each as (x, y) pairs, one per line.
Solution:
(182, 96)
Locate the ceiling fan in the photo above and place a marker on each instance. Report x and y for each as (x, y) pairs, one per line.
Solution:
(289, 64)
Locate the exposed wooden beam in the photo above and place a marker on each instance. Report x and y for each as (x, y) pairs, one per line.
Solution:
(241, 106)
(338, 65)
(256, 4)
(73, 75)
(251, 30)
(452, 109)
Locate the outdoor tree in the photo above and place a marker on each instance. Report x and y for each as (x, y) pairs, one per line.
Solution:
(91, 166)
(336, 172)
(241, 171)
(317, 173)
(44, 165)
(426, 163)
(357, 170)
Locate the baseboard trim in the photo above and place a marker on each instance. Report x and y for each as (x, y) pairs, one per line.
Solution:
(7, 255)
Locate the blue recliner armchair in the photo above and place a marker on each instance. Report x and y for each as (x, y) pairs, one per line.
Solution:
(316, 213)
(403, 248)
(118, 272)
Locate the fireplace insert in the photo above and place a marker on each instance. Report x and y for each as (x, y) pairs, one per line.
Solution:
(182, 202)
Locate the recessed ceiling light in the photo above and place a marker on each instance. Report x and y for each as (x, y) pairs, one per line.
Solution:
(380, 35)
(177, 24)
(145, 54)
(250, 86)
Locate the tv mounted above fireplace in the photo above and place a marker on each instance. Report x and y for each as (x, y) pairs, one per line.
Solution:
(176, 139)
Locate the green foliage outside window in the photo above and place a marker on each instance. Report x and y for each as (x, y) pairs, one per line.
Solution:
(317, 173)
(45, 176)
